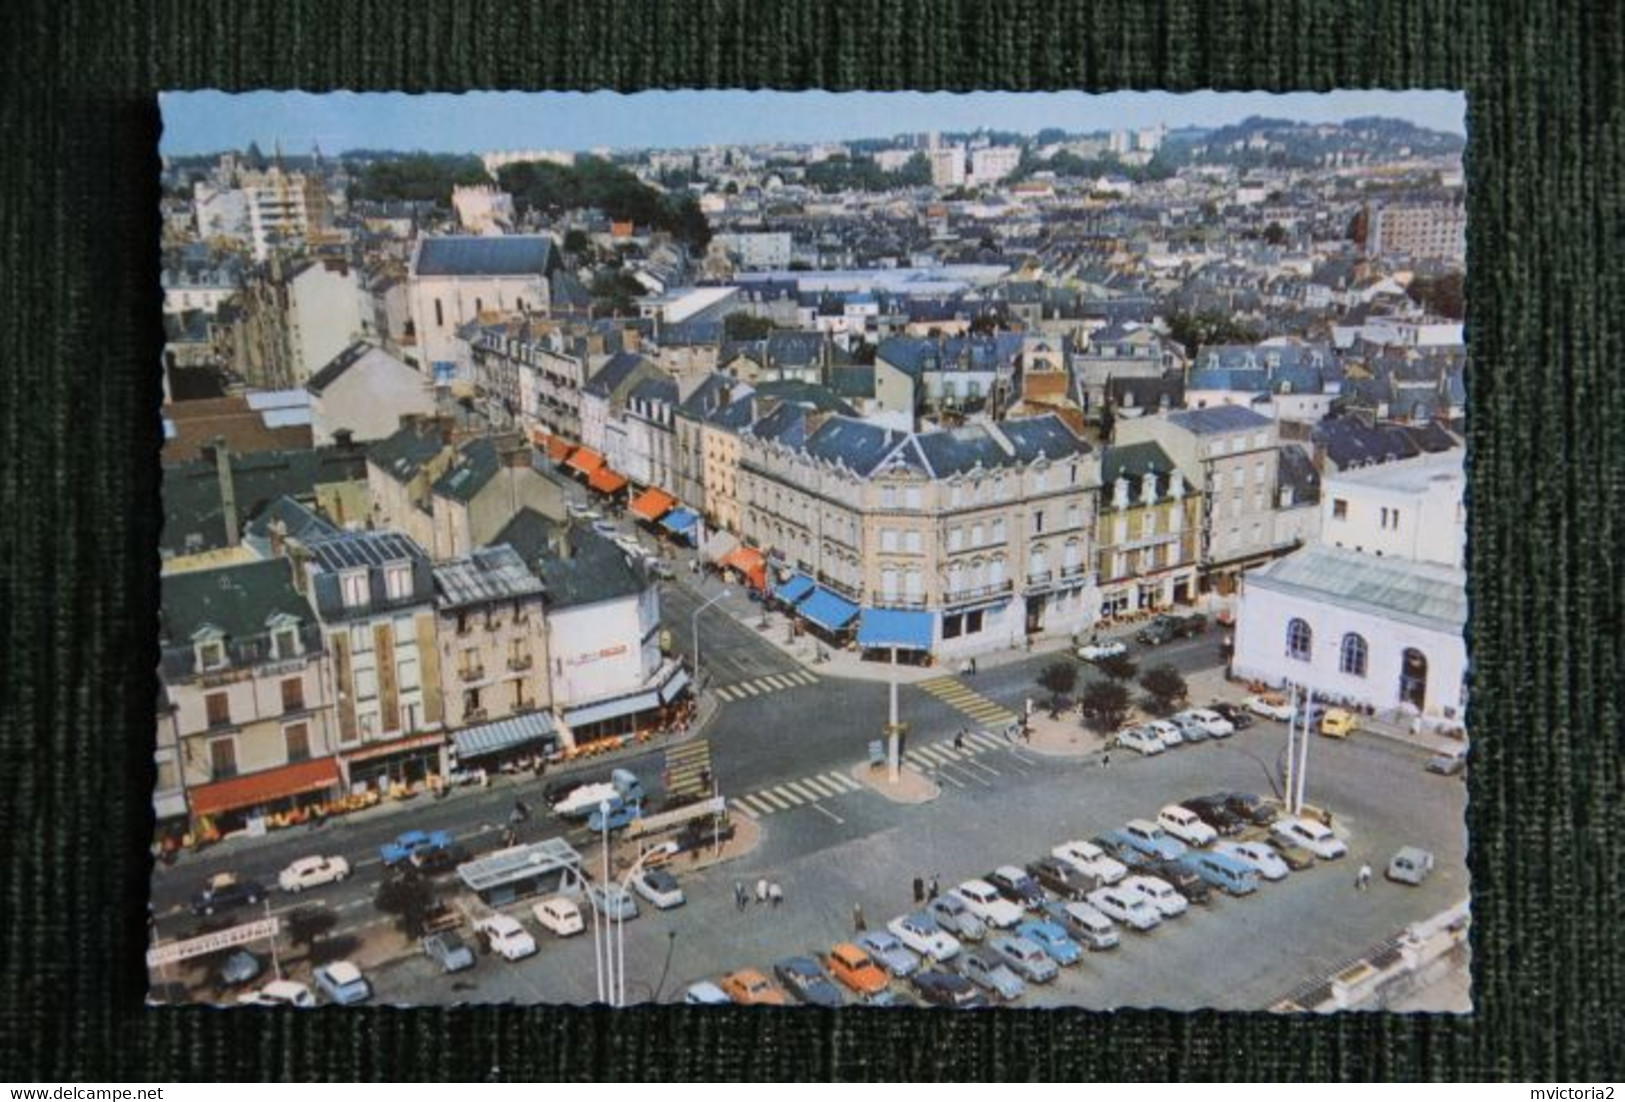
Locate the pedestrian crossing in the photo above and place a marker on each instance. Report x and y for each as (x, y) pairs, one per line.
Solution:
(768, 683)
(801, 792)
(954, 693)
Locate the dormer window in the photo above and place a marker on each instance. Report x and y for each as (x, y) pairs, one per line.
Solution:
(398, 581)
(353, 587)
(211, 653)
(284, 638)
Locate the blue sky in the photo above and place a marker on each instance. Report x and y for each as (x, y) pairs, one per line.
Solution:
(202, 122)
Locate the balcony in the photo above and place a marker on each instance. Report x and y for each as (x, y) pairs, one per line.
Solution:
(894, 600)
(1040, 577)
(519, 662)
(475, 715)
(978, 593)
(472, 673)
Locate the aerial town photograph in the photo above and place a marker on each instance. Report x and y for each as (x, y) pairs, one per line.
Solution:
(809, 549)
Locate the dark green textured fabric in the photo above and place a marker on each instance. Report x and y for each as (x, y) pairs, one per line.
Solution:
(79, 338)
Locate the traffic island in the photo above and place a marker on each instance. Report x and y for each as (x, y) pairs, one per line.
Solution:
(911, 786)
(1059, 738)
(746, 836)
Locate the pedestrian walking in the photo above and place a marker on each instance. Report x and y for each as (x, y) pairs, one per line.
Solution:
(973, 665)
(933, 890)
(740, 898)
(919, 890)
(1105, 759)
(1362, 879)
(775, 893)
(761, 890)
(858, 925)
(959, 739)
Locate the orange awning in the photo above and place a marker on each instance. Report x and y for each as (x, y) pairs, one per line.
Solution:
(606, 481)
(266, 787)
(653, 504)
(586, 460)
(749, 562)
(557, 448)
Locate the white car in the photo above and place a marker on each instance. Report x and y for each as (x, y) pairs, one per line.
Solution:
(1140, 740)
(1159, 893)
(508, 939)
(1094, 652)
(1183, 824)
(1314, 837)
(1130, 908)
(1212, 722)
(920, 932)
(1258, 855)
(1169, 733)
(1269, 706)
(1091, 860)
(312, 872)
(987, 904)
(342, 982)
(660, 888)
(559, 915)
(280, 993)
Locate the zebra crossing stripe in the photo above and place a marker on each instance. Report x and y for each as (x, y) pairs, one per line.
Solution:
(776, 682)
(841, 780)
(807, 794)
(807, 677)
(772, 801)
(726, 693)
(750, 812)
(787, 796)
(984, 740)
(820, 787)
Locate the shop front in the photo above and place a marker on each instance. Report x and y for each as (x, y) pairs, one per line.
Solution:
(517, 742)
(828, 613)
(397, 768)
(890, 634)
(662, 705)
(269, 798)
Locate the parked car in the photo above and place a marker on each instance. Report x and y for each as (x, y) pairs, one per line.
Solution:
(312, 872)
(280, 993)
(953, 915)
(1141, 740)
(748, 987)
(1092, 861)
(705, 993)
(889, 953)
(1083, 924)
(1052, 938)
(605, 528)
(1065, 881)
(1169, 735)
(1238, 717)
(1269, 706)
(989, 972)
(1257, 854)
(1312, 836)
(447, 950)
(620, 816)
(1128, 907)
(1295, 856)
(1151, 840)
(1025, 958)
(807, 983)
(342, 983)
(947, 989)
(612, 901)
(1338, 723)
(1448, 763)
(1016, 886)
(1212, 811)
(1184, 879)
(1211, 722)
(1168, 627)
(559, 915)
(856, 969)
(225, 892)
(1224, 872)
(1190, 730)
(987, 904)
(237, 968)
(1410, 866)
(1116, 843)
(438, 860)
(920, 932)
(1159, 893)
(1249, 808)
(886, 997)
(660, 888)
(1186, 825)
(1110, 648)
(410, 842)
(507, 938)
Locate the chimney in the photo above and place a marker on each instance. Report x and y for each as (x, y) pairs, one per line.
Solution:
(279, 537)
(631, 340)
(228, 491)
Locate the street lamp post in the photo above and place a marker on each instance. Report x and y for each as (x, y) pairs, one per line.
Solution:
(600, 943)
(664, 849)
(694, 624)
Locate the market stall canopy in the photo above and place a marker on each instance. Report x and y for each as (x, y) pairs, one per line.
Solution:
(750, 563)
(680, 520)
(558, 448)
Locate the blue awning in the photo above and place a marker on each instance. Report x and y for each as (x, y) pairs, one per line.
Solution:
(611, 709)
(890, 627)
(828, 610)
(679, 520)
(504, 734)
(793, 590)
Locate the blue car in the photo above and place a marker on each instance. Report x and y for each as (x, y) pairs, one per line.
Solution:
(619, 816)
(413, 841)
(1051, 937)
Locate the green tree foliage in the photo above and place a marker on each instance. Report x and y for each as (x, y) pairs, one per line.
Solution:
(1058, 679)
(1275, 234)
(418, 177)
(596, 184)
(1164, 688)
(577, 242)
(307, 924)
(406, 897)
(745, 327)
(1104, 705)
(1118, 667)
(613, 291)
(863, 174)
(1195, 330)
(1444, 295)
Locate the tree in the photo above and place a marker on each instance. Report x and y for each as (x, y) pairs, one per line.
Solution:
(577, 242)
(1275, 234)
(1058, 679)
(1118, 667)
(307, 924)
(1444, 295)
(408, 898)
(1164, 688)
(1195, 330)
(613, 291)
(741, 326)
(1104, 705)
(419, 177)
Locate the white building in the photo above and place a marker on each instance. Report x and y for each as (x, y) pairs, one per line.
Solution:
(1385, 632)
(365, 391)
(499, 159)
(325, 314)
(759, 251)
(220, 213)
(483, 210)
(947, 166)
(455, 279)
(1413, 509)
(993, 163)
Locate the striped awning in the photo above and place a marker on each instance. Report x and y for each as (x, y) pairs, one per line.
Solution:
(505, 734)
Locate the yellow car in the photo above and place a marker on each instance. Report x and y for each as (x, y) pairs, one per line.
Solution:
(1337, 723)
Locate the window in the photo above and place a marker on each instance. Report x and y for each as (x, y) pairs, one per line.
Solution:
(1353, 657)
(912, 497)
(298, 740)
(407, 674)
(398, 581)
(998, 530)
(285, 642)
(439, 315)
(888, 539)
(1041, 480)
(1340, 509)
(976, 535)
(997, 571)
(913, 583)
(888, 497)
(1299, 637)
(219, 709)
(973, 622)
(952, 626)
(367, 724)
(405, 631)
(1038, 521)
(1074, 516)
(1258, 472)
(293, 694)
(956, 538)
(913, 542)
(354, 586)
(366, 684)
(471, 701)
(211, 654)
(361, 639)
(222, 758)
(1218, 481)
(888, 582)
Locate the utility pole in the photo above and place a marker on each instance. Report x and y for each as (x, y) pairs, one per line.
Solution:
(1303, 750)
(894, 732)
(1291, 745)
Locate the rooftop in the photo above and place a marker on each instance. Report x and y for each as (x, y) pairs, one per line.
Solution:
(488, 574)
(513, 255)
(1430, 595)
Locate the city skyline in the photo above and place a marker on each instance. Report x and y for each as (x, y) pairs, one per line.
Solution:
(208, 121)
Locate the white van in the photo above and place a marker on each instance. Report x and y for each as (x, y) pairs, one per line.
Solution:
(1315, 837)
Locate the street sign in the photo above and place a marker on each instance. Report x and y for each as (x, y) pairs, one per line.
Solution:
(173, 951)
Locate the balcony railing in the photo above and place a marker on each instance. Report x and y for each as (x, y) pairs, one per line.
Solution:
(471, 673)
(519, 661)
(899, 601)
(1039, 577)
(474, 715)
(977, 593)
